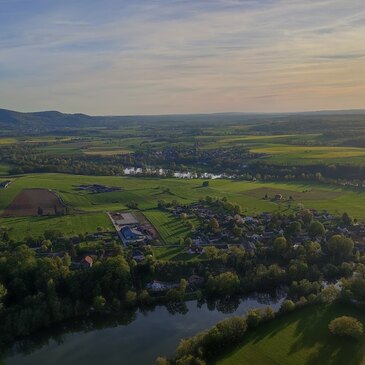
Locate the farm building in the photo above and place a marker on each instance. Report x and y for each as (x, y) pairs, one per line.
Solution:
(132, 234)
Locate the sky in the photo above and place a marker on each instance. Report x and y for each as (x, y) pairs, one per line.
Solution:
(120, 57)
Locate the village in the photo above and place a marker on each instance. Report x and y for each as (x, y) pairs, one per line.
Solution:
(220, 226)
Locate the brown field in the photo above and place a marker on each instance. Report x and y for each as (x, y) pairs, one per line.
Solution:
(27, 202)
(296, 195)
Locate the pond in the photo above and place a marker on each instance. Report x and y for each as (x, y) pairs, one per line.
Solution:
(130, 339)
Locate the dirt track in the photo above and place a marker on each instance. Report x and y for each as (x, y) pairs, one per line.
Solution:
(27, 202)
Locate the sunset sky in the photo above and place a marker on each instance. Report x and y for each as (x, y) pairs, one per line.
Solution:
(181, 56)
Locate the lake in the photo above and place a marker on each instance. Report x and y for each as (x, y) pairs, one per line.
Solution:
(130, 339)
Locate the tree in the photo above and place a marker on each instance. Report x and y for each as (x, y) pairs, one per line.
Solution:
(358, 289)
(190, 360)
(66, 260)
(130, 298)
(316, 229)
(3, 292)
(183, 216)
(253, 318)
(223, 284)
(346, 326)
(99, 302)
(211, 252)
(346, 219)
(329, 294)
(144, 298)
(280, 244)
(163, 361)
(340, 247)
(287, 306)
(214, 224)
(188, 241)
(294, 228)
(306, 215)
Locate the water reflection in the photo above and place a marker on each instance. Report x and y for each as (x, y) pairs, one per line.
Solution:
(118, 339)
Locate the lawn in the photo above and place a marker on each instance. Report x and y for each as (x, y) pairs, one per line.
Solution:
(300, 338)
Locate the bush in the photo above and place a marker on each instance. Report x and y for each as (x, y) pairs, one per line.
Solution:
(346, 326)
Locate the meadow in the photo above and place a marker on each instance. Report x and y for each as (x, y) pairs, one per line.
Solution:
(88, 210)
(301, 338)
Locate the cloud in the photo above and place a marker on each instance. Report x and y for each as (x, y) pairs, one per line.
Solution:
(122, 57)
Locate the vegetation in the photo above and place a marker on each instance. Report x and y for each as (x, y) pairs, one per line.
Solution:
(346, 326)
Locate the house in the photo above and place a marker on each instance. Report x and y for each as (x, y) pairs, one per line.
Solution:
(138, 255)
(87, 262)
(157, 286)
(195, 280)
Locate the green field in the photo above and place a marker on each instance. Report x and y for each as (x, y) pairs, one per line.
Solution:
(282, 153)
(148, 191)
(300, 338)
(22, 227)
(171, 229)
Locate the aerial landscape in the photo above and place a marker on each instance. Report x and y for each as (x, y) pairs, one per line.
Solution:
(182, 182)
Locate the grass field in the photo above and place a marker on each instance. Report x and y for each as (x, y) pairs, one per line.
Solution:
(300, 338)
(148, 191)
(22, 227)
(170, 228)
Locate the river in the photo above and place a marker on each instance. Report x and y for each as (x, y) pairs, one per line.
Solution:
(133, 339)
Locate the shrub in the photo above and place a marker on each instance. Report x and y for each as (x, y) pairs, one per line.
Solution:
(346, 326)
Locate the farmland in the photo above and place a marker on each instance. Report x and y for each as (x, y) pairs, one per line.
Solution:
(146, 192)
(29, 201)
(300, 338)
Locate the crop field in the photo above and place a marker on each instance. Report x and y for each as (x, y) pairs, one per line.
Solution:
(146, 192)
(28, 201)
(300, 338)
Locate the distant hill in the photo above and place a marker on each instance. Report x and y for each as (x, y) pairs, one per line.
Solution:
(55, 121)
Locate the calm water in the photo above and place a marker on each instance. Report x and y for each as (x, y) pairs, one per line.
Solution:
(133, 339)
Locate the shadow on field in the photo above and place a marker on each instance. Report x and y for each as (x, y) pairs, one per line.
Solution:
(311, 339)
(313, 331)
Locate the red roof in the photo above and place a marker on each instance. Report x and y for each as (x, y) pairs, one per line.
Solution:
(88, 260)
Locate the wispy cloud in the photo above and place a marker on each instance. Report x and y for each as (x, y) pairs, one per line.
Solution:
(165, 56)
